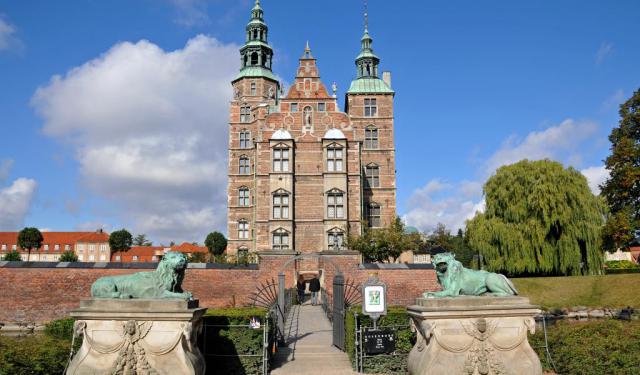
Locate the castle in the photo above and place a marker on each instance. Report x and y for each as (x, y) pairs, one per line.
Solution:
(303, 174)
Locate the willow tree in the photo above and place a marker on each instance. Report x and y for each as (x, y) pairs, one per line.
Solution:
(540, 218)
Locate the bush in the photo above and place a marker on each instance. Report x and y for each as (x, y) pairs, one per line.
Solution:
(68, 256)
(12, 256)
(621, 264)
(227, 336)
(382, 364)
(33, 355)
(591, 348)
(60, 329)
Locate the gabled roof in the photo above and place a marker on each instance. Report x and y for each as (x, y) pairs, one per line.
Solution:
(58, 238)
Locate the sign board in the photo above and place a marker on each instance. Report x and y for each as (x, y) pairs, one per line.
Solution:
(378, 341)
(374, 298)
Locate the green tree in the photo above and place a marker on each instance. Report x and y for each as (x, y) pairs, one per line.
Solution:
(622, 189)
(30, 238)
(540, 219)
(198, 258)
(384, 244)
(141, 240)
(12, 256)
(216, 243)
(441, 237)
(120, 240)
(68, 256)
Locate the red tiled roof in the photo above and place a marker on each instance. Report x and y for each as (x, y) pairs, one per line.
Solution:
(58, 238)
(186, 247)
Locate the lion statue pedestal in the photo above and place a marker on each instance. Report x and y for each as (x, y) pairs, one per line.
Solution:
(138, 336)
(474, 335)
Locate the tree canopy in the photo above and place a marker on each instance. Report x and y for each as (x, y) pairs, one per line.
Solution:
(622, 189)
(30, 238)
(540, 218)
(442, 237)
(120, 240)
(384, 244)
(141, 240)
(12, 256)
(68, 256)
(216, 243)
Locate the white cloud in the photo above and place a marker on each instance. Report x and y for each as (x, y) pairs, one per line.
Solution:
(605, 50)
(596, 176)
(191, 12)
(5, 168)
(149, 128)
(454, 203)
(91, 226)
(15, 201)
(7, 34)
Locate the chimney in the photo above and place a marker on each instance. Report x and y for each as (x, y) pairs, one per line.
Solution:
(386, 77)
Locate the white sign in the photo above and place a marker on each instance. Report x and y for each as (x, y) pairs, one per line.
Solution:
(374, 299)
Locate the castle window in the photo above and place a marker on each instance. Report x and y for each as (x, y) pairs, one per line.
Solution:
(370, 107)
(245, 114)
(254, 58)
(372, 173)
(335, 240)
(334, 158)
(244, 165)
(371, 137)
(335, 204)
(280, 240)
(245, 139)
(280, 205)
(243, 229)
(373, 215)
(253, 88)
(56, 247)
(281, 159)
(322, 107)
(294, 107)
(243, 197)
(307, 115)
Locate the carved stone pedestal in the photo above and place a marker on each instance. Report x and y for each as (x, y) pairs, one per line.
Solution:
(138, 336)
(474, 336)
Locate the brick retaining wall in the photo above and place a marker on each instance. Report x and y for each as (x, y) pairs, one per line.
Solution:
(39, 292)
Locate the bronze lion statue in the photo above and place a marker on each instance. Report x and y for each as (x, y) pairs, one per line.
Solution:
(164, 282)
(457, 280)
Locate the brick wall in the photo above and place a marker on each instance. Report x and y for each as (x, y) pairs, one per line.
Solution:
(41, 292)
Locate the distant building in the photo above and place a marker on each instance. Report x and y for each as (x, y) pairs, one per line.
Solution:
(155, 253)
(88, 246)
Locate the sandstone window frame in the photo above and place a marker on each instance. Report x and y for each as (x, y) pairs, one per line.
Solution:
(335, 204)
(322, 107)
(372, 175)
(252, 88)
(280, 239)
(335, 158)
(245, 138)
(243, 229)
(371, 137)
(244, 165)
(281, 154)
(243, 196)
(370, 107)
(280, 204)
(374, 215)
(245, 113)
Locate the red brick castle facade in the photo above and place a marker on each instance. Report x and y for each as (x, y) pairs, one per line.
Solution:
(303, 173)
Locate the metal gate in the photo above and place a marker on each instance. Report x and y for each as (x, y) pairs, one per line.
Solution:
(338, 311)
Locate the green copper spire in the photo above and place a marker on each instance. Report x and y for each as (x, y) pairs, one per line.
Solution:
(256, 55)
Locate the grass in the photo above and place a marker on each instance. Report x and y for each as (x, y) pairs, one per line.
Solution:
(613, 291)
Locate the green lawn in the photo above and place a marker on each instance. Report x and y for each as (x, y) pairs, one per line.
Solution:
(591, 291)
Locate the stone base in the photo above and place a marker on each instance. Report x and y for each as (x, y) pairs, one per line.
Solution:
(473, 335)
(138, 336)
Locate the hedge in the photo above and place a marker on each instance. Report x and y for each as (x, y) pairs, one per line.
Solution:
(382, 364)
(227, 335)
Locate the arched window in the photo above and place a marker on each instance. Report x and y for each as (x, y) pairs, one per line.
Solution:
(373, 215)
(243, 196)
(254, 58)
(245, 138)
(371, 137)
(334, 158)
(335, 204)
(280, 239)
(244, 165)
(281, 159)
(372, 173)
(307, 115)
(280, 204)
(335, 239)
(243, 229)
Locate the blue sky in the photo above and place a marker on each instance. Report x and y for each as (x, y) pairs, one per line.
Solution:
(113, 113)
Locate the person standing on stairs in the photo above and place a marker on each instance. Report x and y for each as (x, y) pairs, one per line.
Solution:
(300, 287)
(314, 288)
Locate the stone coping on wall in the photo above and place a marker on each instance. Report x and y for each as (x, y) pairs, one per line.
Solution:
(120, 265)
(396, 266)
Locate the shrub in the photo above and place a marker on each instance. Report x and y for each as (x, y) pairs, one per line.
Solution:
(12, 256)
(621, 264)
(68, 256)
(382, 364)
(60, 329)
(227, 336)
(33, 355)
(591, 348)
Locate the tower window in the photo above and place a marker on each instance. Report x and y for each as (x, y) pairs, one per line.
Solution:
(281, 205)
(372, 172)
(253, 88)
(335, 240)
(280, 239)
(245, 139)
(370, 107)
(244, 165)
(335, 204)
(322, 107)
(254, 58)
(373, 215)
(243, 196)
(334, 158)
(245, 114)
(371, 137)
(243, 229)
(294, 107)
(281, 159)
